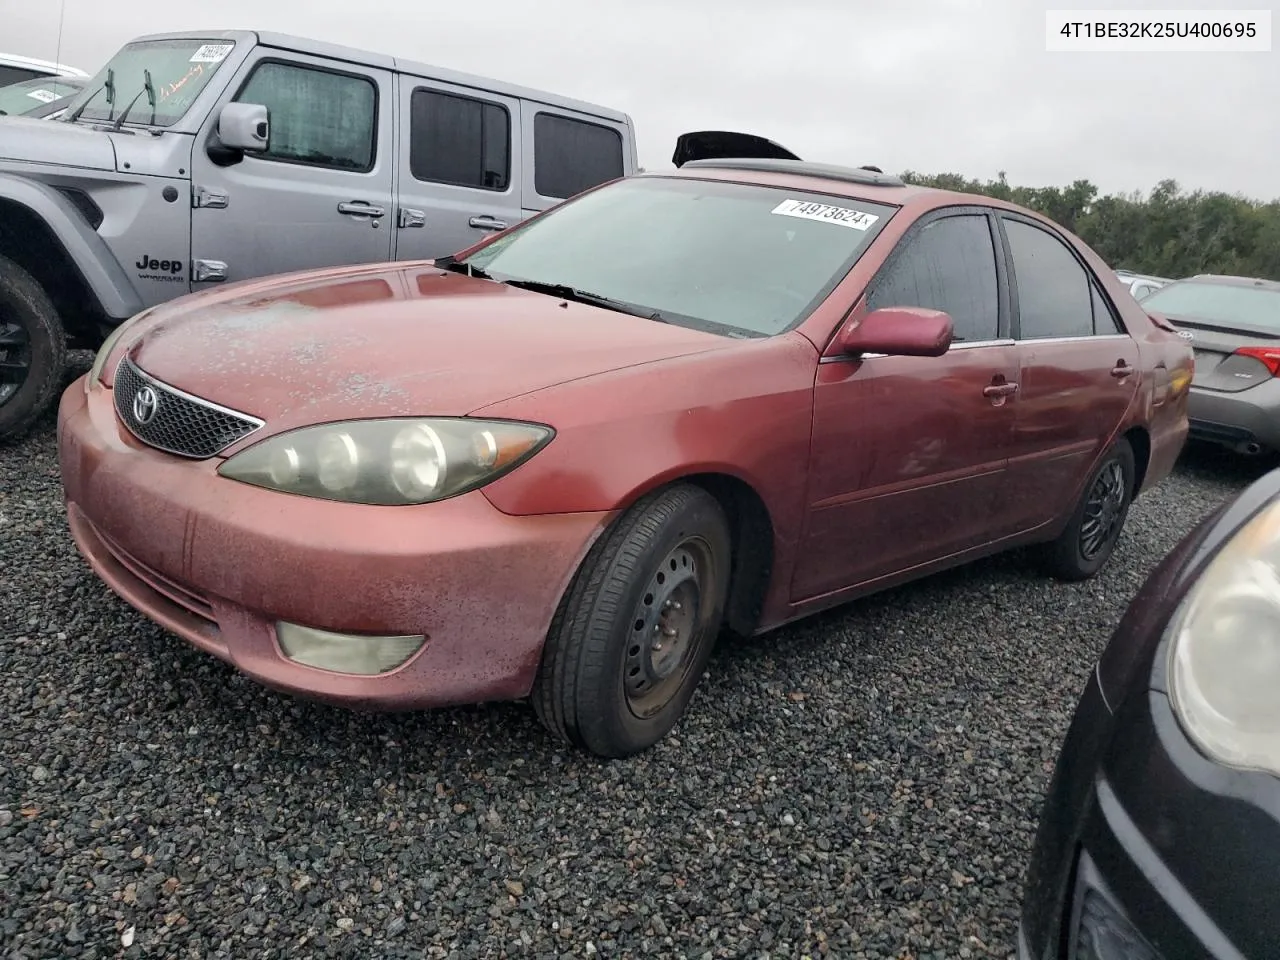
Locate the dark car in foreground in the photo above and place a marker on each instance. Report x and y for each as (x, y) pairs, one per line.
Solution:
(1160, 837)
(556, 464)
(1233, 323)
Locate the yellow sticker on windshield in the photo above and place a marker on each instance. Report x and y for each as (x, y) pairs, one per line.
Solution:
(825, 213)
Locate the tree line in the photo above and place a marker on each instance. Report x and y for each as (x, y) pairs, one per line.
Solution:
(1167, 233)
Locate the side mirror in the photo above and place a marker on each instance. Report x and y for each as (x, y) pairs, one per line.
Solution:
(898, 331)
(245, 126)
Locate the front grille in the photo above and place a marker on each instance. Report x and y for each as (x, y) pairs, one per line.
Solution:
(178, 423)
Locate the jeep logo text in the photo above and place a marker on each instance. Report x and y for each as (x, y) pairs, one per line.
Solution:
(153, 265)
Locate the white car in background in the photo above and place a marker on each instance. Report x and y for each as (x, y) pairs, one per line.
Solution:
(1140, 284)
(15, 69)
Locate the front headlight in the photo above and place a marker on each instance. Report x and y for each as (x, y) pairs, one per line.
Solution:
(1224, 660)
(100, 360)
(388, 462)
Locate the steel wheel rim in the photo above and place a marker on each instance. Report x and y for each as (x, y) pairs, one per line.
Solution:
(666, 632)
(15, 359)
(1103, 511)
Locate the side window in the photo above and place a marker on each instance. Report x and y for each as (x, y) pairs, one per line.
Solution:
(1104, 320)
(950, 265)
(570, 156)
(318, 118)
(1054, 295)
(459, 141)
(10, 74)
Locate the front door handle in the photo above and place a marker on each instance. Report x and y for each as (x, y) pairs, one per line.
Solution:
(359, 208)
(1121, 370)
(487, 223)
(998, 391)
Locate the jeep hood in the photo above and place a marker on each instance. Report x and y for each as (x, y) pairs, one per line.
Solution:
(57, 143)
(388, 341)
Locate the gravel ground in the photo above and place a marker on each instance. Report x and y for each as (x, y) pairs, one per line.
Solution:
(862, 785)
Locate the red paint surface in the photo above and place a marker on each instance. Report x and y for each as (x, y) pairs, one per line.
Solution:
(871, 472)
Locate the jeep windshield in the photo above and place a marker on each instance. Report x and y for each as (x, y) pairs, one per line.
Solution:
(741, 260)
(180, 69)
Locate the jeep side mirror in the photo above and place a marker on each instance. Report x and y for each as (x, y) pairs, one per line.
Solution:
(245, 127)
(898, 331)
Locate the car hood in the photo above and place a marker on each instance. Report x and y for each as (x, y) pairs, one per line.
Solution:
(390, 342)
(35, 140)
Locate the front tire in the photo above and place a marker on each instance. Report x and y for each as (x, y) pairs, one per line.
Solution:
(633, 633)
(33, 350)
(1091, 535)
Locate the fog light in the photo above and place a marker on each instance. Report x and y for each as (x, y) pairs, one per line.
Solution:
(1104, 934)
(345, 652)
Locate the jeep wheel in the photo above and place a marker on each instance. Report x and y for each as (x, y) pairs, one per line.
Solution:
(33, 350)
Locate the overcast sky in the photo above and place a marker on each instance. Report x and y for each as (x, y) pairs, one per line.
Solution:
(961, 86)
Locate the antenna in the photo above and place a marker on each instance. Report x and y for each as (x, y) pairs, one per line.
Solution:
(62, 13)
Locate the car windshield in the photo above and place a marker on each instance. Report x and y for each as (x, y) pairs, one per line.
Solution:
(1219, 304)
(736, 259)
(180, 69)
(19, 98)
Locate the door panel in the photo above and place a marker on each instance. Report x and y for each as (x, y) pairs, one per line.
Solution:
(1078, 373)
(321, 196)
(459, 169)
(908, 461)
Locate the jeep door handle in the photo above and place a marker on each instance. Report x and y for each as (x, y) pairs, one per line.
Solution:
(358, 208)
(487, 223)
(999, 390)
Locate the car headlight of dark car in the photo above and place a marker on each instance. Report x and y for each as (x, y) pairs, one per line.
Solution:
(396, 461)
(1224, 651)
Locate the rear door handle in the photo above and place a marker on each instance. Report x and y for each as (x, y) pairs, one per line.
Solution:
(998, 390)
(487, 223)
(1121, 370)
(359, 208)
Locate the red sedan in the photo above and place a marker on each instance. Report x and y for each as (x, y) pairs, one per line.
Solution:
(559, 464)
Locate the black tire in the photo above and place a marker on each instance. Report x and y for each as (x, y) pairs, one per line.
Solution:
(609, 680)
(1090, 537)
(31, 336)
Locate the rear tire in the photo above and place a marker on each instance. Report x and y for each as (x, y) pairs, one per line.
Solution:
(33, 351)
(1090, 537)
(632, 635)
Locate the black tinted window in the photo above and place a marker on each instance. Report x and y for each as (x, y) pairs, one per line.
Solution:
(317, 117)
(1053, 289)
(1104, 321)
(570, 156)
(10, 74)
(950, 265)
(459, 140)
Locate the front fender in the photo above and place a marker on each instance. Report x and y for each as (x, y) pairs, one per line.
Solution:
(88, 252)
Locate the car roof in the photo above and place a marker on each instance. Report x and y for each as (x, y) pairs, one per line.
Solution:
(842, 181)
(48, 66)
(382, 61)
(1227, 280)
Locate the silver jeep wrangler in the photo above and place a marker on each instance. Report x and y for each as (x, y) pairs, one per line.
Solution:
(197, 159)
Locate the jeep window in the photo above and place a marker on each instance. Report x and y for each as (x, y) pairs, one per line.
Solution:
(459, 140)
(570, 156)
(318, 117)
(180, 69)
(738, 259)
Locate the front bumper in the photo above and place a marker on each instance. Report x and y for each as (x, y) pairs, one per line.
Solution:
(220, 562)
(1237, 419)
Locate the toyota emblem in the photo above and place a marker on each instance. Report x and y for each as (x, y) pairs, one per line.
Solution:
(145, 404)
(1186, 335)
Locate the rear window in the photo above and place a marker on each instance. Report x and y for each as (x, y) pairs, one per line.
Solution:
(570, 156)
(10, 74)
(19, 98)
(1218, 303)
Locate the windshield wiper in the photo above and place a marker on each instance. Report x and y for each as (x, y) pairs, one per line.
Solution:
(566, 292)
(108, 85)
(457, 266)
(150, 91)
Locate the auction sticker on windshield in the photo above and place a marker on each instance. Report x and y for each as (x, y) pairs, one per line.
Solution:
(44, 96)
(825, 213)
(211, 53)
